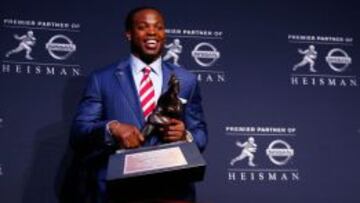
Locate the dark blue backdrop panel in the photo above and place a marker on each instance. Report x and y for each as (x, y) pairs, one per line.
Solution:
(304, 122)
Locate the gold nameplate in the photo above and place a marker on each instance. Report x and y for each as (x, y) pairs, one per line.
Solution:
(153, 160)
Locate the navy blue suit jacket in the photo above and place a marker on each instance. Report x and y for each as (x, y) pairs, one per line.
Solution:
(111, 95)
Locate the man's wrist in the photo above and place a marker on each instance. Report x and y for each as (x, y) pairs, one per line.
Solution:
(108, 137)
(111, 125)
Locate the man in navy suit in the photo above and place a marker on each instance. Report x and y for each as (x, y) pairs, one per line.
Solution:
(110, 115)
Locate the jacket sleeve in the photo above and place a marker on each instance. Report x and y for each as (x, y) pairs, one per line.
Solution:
(194, 117)
(88, 131)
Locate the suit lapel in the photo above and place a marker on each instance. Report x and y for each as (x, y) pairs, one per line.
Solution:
(128, 87)
(166, 76)
(127, 84)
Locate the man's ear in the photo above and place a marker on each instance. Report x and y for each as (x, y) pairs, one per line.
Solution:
(128, 36)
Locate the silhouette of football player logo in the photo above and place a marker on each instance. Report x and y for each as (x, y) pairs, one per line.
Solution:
(249, 148)
(26, 42)
(174, 49)
(310, 55)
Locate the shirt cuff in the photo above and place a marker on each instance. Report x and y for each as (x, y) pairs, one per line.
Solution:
(189, 137)
(108, 138)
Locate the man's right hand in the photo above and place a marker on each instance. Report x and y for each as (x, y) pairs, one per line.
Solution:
(127, 135)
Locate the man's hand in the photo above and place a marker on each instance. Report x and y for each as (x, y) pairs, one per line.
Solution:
(173, 131)
(127, 135)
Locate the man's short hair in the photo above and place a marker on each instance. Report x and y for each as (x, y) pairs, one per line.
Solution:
(131, 14)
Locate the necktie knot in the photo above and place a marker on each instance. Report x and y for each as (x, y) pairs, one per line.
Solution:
(146, 70)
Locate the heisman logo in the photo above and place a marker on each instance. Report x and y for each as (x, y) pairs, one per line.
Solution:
(174, 50)
(249, 148)
(310, 56)
(27, 41)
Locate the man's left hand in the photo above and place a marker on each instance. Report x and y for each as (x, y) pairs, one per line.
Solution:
(174, 130)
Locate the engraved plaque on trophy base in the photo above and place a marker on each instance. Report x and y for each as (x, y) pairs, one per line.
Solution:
(176, 162)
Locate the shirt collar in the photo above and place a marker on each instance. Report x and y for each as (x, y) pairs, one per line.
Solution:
(137, 65)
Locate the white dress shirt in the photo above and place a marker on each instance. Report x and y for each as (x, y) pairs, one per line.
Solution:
(156, 75)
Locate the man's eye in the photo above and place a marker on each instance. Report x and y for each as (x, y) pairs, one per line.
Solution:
(160, 27)
(141, 27)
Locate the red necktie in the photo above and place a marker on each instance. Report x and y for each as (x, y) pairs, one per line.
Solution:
(147, 93)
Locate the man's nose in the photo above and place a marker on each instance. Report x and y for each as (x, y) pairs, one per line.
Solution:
(151, 31)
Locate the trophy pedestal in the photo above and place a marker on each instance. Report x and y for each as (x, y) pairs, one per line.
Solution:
(179, 162)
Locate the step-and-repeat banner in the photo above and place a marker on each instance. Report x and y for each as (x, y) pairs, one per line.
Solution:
(280, 86)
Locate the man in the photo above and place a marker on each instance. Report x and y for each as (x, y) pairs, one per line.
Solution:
(119, 98)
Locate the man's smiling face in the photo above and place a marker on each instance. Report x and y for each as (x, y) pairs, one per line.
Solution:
(147, 35)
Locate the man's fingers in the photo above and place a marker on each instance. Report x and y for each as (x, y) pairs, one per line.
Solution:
(133, 142)
(125, 144)
(175, 128)
(170, 138)
(174, 121)
(138, 135)
(128, 136)
(174, 133)
(141, 137)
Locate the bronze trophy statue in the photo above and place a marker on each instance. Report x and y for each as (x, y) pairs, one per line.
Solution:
(169, 106)
(178, 161)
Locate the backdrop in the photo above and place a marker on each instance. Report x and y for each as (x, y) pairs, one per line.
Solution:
(279, 84)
